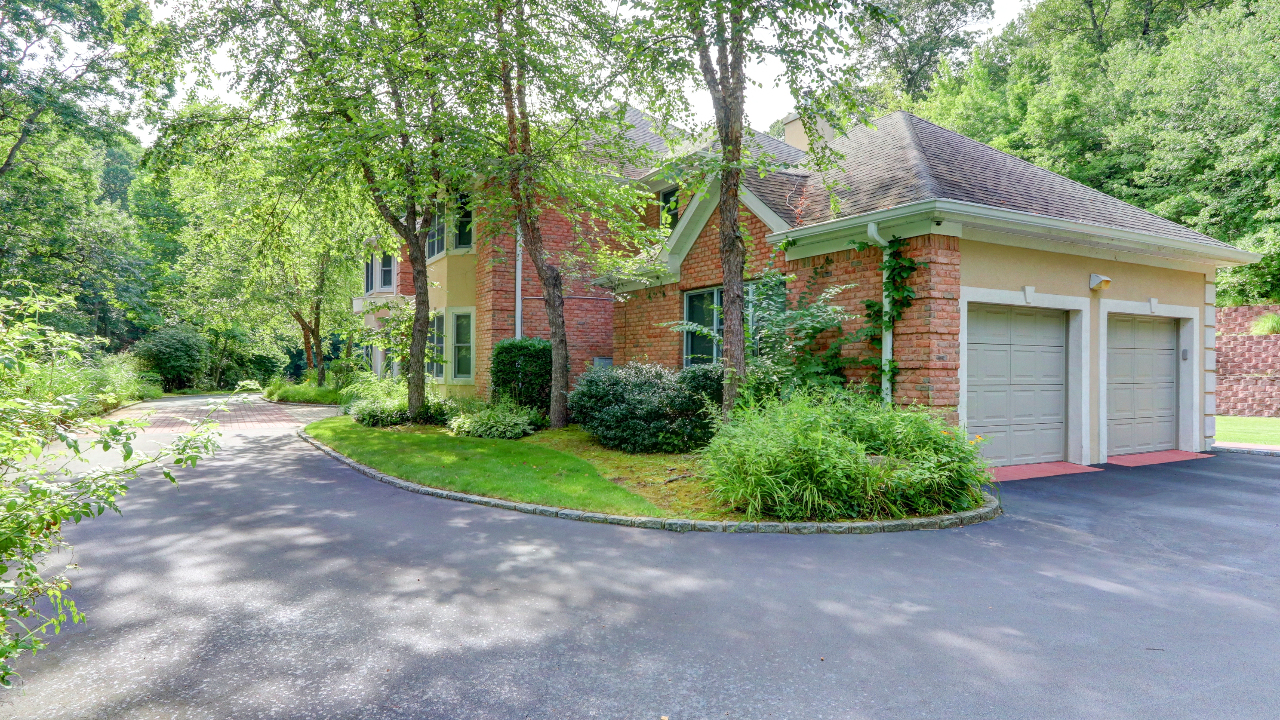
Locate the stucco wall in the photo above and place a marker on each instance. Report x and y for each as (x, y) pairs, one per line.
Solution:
(1009, 268)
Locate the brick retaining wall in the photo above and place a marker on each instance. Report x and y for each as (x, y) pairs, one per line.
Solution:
(1248, 365)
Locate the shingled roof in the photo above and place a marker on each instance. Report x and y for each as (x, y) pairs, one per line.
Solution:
(905, 159)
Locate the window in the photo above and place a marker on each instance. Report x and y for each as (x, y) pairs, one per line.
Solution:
(385, 272)
(670, 204)
(435, 236)
(462, 345)
(368, 275)
(462, 237)
(435, 341)
(703, 307)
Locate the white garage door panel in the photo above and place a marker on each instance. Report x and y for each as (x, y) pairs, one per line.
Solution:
(1142, 388)
(1016, 374)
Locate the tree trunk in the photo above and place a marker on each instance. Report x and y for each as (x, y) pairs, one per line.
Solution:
(520, 184)
(318, 340)
(726, 81)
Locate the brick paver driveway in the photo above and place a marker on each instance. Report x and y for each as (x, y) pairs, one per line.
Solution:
(275, 583)
(243, 412)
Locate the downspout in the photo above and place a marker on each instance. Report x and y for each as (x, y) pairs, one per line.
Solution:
(519, 283)
(886, 341)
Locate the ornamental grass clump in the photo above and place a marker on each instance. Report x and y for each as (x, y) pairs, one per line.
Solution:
(503, 420)
(833, 456)
(1268, 324)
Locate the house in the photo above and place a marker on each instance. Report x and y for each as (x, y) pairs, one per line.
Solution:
(477, 301)
(1059, 323)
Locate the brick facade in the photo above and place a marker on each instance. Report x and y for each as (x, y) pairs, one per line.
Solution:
(588, 311)
(1248, 365)
(926, 339)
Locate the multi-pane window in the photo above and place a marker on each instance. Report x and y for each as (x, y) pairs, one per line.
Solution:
(435, 235)
(462, 345)
(462, 236)
(669, 199)
(368, 275)
(435, 339)
(703, 308)
(386, 272)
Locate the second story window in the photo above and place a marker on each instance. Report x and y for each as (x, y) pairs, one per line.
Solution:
(463, 236)
(386, 272)
(368, 276)
(435, 236)
(670, 205)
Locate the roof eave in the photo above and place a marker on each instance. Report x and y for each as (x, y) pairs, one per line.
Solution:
(1017, 221)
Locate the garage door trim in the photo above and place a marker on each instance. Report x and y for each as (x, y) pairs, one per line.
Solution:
(1079, 414)
(1189, 370)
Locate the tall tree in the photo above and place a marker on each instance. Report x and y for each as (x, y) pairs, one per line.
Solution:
(926, 33)
(562, 148)
(714, 42)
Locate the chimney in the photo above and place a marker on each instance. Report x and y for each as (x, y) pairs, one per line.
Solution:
(794, 135)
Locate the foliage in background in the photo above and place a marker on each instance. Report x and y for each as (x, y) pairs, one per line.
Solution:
(646, 408)
(43, 484)
(521, 371)
(179, 355)
(830, 456)
(1171, 106)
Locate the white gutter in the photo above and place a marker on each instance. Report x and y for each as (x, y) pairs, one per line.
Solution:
(886, 341)
(1029, 223)
(519, 283)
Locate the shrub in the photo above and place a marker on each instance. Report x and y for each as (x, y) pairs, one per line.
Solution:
(502, 420)
(644, 408)
(521, 371)
(307, 393)
(179, 355)
(829, 456)
(380, 411)
(1268, 324)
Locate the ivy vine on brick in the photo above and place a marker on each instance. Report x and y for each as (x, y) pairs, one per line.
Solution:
(897, 269)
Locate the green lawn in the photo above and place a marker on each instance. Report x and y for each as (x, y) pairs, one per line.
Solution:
(1256, 430)
(507, 469)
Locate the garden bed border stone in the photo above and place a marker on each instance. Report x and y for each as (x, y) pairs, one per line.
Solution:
(990, 509)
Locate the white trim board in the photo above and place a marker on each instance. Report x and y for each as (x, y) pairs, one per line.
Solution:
(1078, 414)
(1190, 427)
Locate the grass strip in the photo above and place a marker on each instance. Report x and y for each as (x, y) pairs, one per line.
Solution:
(1253, 430)
(506, 469)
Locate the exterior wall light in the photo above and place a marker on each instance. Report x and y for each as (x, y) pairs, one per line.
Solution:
(1099, 282)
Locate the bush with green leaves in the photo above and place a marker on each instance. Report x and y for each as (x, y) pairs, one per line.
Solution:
(836, 455)
(178, 354)
(1268, 324)
(502, 420)
(521, 370)
(646, 408)
(44, 444)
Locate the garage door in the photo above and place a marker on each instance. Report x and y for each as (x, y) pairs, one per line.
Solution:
(1142, 384)
(1017, 383)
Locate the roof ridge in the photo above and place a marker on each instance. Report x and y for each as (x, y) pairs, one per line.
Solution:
(1030, 164)
(916, 156)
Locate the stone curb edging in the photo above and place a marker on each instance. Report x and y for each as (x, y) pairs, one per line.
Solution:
(990, 509)
(1245, 451)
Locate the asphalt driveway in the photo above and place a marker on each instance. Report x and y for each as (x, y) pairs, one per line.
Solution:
(276, 583)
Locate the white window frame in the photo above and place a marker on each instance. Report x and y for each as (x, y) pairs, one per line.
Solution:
(437, 340)
(470, 344)
(382, 270)
(717, 301)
